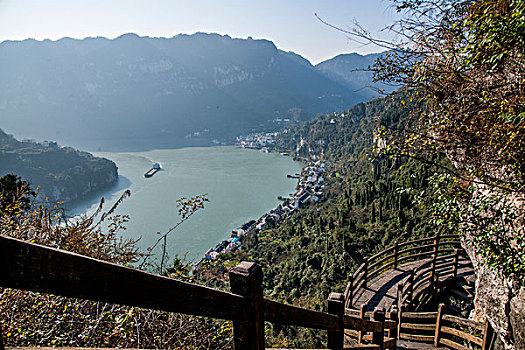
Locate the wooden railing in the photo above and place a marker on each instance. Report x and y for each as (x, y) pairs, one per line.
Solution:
(389, 319)
(427, 274)
(437, 328)
(41, 269)
(440, 328)
(398, 254)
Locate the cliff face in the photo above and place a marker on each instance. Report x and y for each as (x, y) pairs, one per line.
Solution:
(62, 173)
(499, 300)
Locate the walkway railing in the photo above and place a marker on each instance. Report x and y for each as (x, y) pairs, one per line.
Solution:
(41, 269)
(397, 255)
(437, 328)
(440, 328)
(427, 274)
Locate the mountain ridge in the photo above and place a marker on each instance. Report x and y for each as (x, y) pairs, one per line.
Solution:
(97, 93)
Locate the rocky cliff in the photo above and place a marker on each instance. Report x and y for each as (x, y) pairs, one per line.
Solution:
(499, 300)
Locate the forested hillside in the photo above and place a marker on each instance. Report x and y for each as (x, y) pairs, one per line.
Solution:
(367, 204)
(60, 173)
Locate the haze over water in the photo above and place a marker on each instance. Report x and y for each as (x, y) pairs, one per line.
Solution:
(241, 184)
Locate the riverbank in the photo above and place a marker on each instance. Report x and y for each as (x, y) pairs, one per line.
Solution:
(309, 189)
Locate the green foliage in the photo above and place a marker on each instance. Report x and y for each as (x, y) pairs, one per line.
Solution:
(366, 205)
(34, 319)
(15, 195)
(463, 62)
(500, 241)
(60, 173)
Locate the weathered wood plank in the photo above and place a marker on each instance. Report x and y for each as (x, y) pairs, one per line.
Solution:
(352, 312)
(463, 335)
(26, 266)
(390, 324)
(419, 338)
(292, 315)
(488, 335)
(358, 271)
(422, 282)
(380, 263)
(352, 333)
(363, 347)
(449, 243)
(419, 326)
(464, 322)
(419, 315)
(415, 256)
(390, 343)
(437, 331)
(379, 337)
(381, 268)
(351, 322)
(452, 344)
(443, 266)
(419, 247)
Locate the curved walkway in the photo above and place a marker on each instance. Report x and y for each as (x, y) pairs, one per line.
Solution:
(381, 291)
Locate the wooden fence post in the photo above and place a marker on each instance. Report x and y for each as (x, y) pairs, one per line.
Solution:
(455, 266)
(438, 324)
(362, 314)
(399, 322)
(336, 307)
(378, 338)
(436, 243)
(394, 316)
(246, 280)
(396, 252)
(349, 293)
(488, 336)
(433, 276)
(410, 289)
(365, 273)
(399, 295)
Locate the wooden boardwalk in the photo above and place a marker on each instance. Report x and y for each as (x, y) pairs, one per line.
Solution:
(382, 290)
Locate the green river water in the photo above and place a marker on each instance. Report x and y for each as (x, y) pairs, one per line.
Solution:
(241, 184)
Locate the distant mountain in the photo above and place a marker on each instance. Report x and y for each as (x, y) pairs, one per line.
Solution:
(62, 173)
(136, 92)
(353, 71)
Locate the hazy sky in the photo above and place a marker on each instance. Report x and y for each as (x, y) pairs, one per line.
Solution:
(290, 24)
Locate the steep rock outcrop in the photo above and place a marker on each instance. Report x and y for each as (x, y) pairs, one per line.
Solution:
(499, 300)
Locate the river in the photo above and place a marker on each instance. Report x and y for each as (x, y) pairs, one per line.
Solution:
(241, 184)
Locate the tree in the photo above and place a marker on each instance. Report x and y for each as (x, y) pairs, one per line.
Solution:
(15, 195)
(462, 66)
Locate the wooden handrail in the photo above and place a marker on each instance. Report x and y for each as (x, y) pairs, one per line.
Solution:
(381, 253)
(416, 241)
(419, 325)
(42, 269)
(295, 316)
(36, 268)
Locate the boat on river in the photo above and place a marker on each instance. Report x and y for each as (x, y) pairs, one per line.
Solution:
(153, 170)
